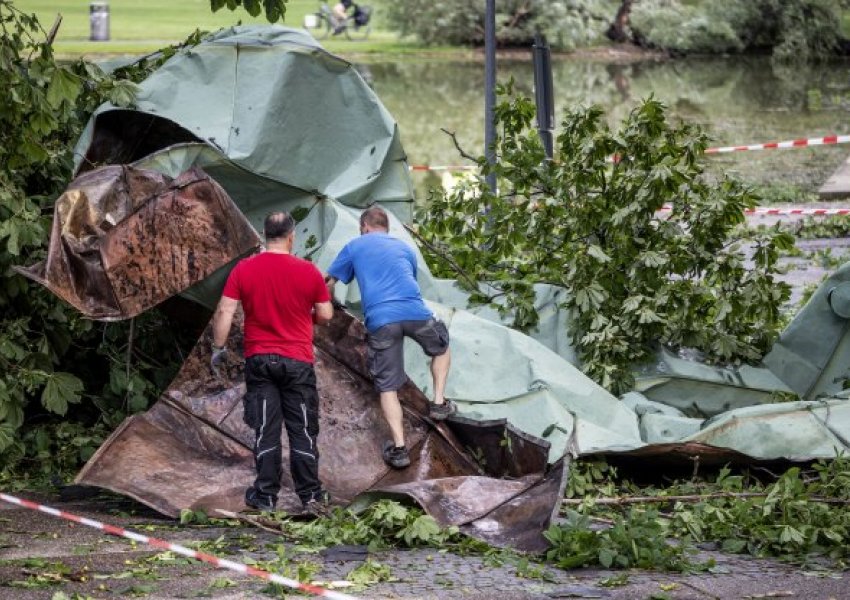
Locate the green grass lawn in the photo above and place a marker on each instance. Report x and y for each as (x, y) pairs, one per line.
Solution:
(138, 27)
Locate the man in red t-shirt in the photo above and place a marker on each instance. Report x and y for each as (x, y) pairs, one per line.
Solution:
(282, 296)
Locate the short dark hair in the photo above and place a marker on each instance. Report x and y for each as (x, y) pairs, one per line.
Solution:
(278, 225)
(375, 216)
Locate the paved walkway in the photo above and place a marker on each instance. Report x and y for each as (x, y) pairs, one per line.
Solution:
(50, 555)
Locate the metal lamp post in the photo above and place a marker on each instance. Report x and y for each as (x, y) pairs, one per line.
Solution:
(490, 88)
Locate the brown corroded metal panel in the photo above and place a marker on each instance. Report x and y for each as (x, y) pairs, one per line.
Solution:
(125, 239)
(169, 460)
(522, 519)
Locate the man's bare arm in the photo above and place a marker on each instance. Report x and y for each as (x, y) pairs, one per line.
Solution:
(323, 312)
(223, 319)
(330, 281)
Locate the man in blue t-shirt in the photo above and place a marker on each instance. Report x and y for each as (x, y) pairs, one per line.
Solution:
(385, 269)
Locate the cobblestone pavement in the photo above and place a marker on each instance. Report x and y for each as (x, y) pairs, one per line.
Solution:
(36, 548)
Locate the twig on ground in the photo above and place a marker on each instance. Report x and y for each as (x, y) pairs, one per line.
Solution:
(619, 501)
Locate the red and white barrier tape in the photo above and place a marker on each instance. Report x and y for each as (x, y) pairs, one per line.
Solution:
(827, 140)
(786, 211)
(176, 548)
(821, 141)
(452, 168)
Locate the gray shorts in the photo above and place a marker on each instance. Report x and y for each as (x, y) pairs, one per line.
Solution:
(385, 356)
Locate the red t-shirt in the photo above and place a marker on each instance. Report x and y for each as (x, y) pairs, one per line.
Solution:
(278, 292)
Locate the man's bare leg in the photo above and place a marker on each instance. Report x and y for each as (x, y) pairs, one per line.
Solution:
(394, 416)
(440, 372)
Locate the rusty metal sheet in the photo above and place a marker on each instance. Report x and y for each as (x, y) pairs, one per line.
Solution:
(101, 257)
(524, 518)
(187, 462)
(192, 450)
(679, 453)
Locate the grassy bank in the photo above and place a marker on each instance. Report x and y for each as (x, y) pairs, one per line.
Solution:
(142, 27)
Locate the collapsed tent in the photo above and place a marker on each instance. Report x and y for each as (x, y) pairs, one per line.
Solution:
(270, 121)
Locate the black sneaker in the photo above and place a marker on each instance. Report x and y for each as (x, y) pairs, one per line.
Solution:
(440, 412)
(258, 502)
(396, 457)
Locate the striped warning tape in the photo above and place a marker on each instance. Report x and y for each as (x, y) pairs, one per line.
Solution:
(182, 550)
(443, 167)
(821, 141)
(786, 211)
(818, 141)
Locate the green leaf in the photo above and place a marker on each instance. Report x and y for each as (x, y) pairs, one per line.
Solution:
(61, 390)
(252, 6)
(597, 253)
(7, 436)
(734, 545)
(64, 86)
(275, 10)
(424, 529)
(12, 246)
(123, 93)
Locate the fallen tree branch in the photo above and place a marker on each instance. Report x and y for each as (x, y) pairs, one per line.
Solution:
(623, 500)
(452, 135)
(51, 36)
(473, 284)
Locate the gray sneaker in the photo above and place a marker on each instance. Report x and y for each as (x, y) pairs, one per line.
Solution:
(397, 458)
(440, 412)
(317, 508)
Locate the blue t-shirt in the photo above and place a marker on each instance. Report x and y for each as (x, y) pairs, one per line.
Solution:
(385, 268)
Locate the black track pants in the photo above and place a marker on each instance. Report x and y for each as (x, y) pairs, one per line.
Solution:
(282, 391)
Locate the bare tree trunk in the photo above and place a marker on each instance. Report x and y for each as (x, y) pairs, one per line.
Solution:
(617, 30)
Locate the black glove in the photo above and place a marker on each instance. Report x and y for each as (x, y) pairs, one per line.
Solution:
(218, 358)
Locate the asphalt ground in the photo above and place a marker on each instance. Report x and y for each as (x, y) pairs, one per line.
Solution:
(42, 555)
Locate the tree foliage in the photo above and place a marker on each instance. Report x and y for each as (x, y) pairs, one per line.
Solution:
(565, 24)
(791, 31)
(635, 277)
(275, 9)
(46, 349)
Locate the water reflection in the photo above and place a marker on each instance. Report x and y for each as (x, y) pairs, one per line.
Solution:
(738, 100)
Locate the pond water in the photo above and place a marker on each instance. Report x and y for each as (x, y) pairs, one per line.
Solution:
(737, 100)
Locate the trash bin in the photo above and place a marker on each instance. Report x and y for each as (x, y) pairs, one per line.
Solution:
(99, 21)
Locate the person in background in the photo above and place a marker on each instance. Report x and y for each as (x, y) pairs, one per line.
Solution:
(385, 269)
(340, 15)
(282, 297)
